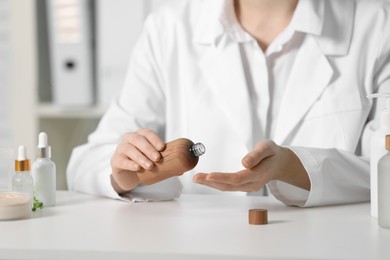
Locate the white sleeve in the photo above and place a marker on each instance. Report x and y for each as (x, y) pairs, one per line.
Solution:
(89, 172)
(336, 177)
(140, 104)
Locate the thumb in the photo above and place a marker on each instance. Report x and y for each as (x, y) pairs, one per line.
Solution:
(262, 150)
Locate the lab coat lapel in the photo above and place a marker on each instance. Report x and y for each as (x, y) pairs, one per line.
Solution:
(309, 77)
(312, 71)
(223, 71)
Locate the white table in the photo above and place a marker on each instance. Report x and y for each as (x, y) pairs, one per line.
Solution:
(192, 227)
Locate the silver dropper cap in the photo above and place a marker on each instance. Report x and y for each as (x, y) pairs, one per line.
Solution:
(43, 150)
(197, 149)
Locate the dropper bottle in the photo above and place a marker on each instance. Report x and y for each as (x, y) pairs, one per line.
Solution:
(377, 149)
(384, 187)
(22, 180)
(44, 173)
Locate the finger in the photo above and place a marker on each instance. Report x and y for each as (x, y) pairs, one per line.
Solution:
(153, 138)
(143, 145)
(136, 155)
(199, 177)
(261, 151)
(237, 178)
(247, 187)
(124, 163)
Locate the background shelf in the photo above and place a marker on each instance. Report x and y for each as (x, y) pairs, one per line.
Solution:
(49, 110)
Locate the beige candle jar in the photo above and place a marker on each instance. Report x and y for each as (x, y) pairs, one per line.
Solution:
(14, 205)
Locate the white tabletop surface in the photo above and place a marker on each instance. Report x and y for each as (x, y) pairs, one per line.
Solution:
(192, 227)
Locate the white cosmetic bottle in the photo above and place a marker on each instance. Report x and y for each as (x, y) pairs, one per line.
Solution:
(22, 180)
(384, 187)
(44, 173)
(377, 150)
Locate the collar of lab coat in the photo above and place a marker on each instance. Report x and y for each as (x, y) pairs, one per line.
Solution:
(307, 18)
(331, 24)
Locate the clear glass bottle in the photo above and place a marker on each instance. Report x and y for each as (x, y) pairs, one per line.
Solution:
(22, 180)
(384, 187)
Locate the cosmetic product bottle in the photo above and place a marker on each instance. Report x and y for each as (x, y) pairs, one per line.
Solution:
(377, 150)
(44, 173)
(179, 156)
(384, 187)
(22, 181)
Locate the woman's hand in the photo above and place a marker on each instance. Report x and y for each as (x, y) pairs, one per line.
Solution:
(140, 149)
(267, 161)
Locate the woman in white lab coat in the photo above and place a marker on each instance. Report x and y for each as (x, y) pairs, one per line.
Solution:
(231, 74)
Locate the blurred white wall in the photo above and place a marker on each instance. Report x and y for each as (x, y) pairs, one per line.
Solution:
(5, 67)
(17, 76)
(118, 26)
(5, 70)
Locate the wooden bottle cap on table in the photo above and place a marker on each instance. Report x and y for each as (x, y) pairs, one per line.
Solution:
(258, 216)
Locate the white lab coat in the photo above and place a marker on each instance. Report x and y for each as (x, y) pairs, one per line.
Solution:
(186, 80)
